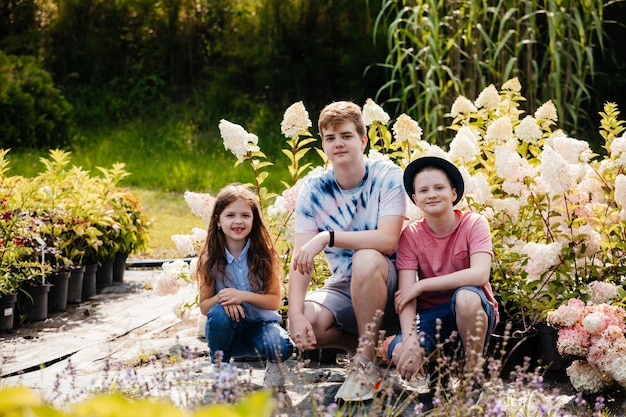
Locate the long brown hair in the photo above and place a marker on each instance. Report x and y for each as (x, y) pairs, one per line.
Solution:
(262, 259)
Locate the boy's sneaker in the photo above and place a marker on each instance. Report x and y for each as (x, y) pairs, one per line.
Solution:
(362, 382)
(274, 376)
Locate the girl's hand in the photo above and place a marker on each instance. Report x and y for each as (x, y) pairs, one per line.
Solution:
(234, 312)
(403, 297)
(231, 296)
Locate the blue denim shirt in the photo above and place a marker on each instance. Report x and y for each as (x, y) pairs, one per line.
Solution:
(238, 270)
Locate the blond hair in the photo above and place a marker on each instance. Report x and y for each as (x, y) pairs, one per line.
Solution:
(340, 112)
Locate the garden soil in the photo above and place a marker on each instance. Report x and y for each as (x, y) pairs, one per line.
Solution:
(129, 339)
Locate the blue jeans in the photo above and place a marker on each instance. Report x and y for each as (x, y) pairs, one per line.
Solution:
(447, 314)
(258, 339)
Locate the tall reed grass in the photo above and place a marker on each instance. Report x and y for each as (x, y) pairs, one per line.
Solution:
(439, 50)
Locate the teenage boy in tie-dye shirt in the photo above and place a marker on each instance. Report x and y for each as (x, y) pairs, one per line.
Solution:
(353, 212)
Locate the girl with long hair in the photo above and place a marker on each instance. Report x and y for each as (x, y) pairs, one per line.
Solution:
(240, 280)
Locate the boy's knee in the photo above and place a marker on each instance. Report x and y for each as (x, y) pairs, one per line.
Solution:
(467, 303)
(367, 263)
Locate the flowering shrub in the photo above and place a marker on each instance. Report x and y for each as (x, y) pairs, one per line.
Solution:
(556, 209)
(63, 217)
(593, 335)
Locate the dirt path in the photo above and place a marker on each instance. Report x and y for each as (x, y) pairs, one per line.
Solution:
(129, 338)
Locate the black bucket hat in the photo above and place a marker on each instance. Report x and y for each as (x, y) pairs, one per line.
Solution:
(448, 167)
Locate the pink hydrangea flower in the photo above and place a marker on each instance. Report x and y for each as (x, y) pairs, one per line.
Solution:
(573, 342)
(567, 315)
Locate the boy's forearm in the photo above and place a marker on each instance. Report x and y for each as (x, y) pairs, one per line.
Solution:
(384, 239)
(298, 287)
(407, 319)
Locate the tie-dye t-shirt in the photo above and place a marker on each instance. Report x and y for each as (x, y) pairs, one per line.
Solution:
(322, 205)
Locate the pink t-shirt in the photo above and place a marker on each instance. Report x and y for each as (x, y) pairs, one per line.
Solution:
(434, 255)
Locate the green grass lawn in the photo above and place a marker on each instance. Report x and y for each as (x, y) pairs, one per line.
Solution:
(170, 215)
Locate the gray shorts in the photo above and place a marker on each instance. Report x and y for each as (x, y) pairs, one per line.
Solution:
(336, 298)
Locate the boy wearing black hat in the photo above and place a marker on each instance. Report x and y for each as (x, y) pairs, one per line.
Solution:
(444, 264)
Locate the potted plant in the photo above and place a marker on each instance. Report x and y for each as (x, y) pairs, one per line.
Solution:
(23, 267)
(130, 229)
(127, 230)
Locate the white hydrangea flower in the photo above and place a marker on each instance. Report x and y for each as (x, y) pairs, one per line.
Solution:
(201, 204)
(174, 275)
(514, 187)
(166, 285)
(528, 130)
(513, 85)
(606, 166)
(198, 236)
(541, 257)
(591, 237)
(464, 147)
(590, 185)
(237, 139)
(587, 378)
(295, 120)
(408, 130)
(413, 213)
(375, 155)
(514, 244)
(193, 266)
(555, 172)
(547, 111)
(508, 208)
(184, 244)
(572, 150)
(488, 213)
(488, 98)
(556, 134)
(433, 150)
(462, 106)
(478, 188)
(372, 112)
(421, 147)
(601, 292)
(185, 298)
(620, 190)
(500, 131)
(278, 208)
(286, 202)
(595, 322)
(618, 150)
(511, 166)
(579, 198)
